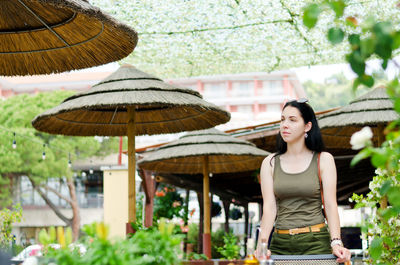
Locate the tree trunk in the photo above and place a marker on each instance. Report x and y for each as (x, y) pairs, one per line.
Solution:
(75, 221)
(76, 215)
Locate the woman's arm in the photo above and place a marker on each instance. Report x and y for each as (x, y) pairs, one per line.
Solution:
(269, 204)
(329, 180)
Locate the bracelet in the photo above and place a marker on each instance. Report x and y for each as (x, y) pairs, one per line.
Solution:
(335, 238)
(335, 242)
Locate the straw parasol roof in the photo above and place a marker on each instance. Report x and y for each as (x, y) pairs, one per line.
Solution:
(185, 155)
(160, 108)
(374, 109)
(51, 36)
(130, 102)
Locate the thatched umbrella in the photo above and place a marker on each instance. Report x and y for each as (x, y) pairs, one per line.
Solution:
(51, 36)
(130, 102)
(374, 109)
(206, 151)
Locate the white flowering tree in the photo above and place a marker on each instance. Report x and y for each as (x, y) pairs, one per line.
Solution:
(181, 38)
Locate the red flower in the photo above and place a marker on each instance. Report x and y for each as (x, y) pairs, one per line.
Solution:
(192, 212)
(176, 204)
(160, 193)
(185, 228)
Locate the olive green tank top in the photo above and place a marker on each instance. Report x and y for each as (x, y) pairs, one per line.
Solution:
(298, 197)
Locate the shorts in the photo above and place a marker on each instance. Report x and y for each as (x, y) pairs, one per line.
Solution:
(312, 243)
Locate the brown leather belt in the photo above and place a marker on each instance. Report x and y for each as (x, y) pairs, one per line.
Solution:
(301, 230)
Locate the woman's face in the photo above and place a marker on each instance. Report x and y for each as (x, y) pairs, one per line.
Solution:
(292, 125)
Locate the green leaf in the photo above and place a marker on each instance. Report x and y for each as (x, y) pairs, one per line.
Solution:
(385, 187)
(357, 63)
(356, 83)
(354, 39)
(376, 248)
(367, 47)
(387, 213)
(367, 80)
(368, 24)
(335, 35)
(360, 156)
(397, 105)
(384, 48)
(385, 63)
(379, 158)
(310, 15)
(382, 29)
(394, 196)
(396, 40)
(338, 7)
(389, 241)
(391, 88)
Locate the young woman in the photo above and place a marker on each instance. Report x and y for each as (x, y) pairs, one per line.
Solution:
(291, 189)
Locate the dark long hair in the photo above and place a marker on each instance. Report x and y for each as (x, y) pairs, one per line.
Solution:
(314, 140)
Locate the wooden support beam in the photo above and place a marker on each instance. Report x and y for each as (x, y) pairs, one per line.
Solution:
(131, 169)
(207, 209)
(246, 227)
(149, 188)
(226, 211)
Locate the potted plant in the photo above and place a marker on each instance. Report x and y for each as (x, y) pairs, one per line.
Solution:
(230, 251)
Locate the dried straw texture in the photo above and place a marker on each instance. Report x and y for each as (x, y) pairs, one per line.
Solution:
(186, 155)
(78, 36)
(160, 108)
(373, 109)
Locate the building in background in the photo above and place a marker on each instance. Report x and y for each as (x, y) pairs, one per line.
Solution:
(251, 98)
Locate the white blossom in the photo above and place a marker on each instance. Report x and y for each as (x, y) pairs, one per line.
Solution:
(361, 138)
(182, 38)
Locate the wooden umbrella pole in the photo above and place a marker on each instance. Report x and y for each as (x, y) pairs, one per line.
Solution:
(207, 209)
(131, 169)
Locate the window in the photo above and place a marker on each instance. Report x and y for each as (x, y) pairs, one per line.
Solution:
(245, 108)
(214, 90)
(274, 108)
(234, 108)
(242, 89)
(272, 88)
(89, 191)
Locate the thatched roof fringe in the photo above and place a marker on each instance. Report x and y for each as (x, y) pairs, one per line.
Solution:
(177, 90)
(84, 7)
(127, 79)
(203, 143)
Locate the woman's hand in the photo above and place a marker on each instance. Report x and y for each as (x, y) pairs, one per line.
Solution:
(259, 255)
(342, 253)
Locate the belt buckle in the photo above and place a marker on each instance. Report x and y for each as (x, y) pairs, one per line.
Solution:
(292, 231)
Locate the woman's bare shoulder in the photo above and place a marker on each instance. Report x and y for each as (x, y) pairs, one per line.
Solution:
(269, 161)
(326, 156)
